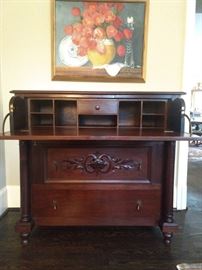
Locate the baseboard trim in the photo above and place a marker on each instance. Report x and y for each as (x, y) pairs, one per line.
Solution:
(13, 209)
(4, 213)
(13, 196)
(3, 200)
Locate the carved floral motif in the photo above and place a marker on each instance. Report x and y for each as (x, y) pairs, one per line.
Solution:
(97, 163)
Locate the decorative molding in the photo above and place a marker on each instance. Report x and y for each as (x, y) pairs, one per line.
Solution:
(3, 200)
(97, 163)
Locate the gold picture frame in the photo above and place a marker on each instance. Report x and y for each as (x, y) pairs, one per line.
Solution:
(102, 41)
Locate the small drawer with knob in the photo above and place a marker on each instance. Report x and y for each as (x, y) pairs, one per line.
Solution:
(97, 107)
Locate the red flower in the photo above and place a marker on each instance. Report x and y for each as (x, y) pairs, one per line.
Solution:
(82, 51)
(111, 31)
(119, 6)
(98, 21)
(76, 11)
(98, 18)
(83, 42)
(78, 27)
(91, 6)
(121, 50)
(87, 31)
(119, 36)
(68, 29)
(99, 33)
(76, 38)
(104, 7)
(92, 44)
(109, 16)
(88, 21)
(127, 33)
(117, 22)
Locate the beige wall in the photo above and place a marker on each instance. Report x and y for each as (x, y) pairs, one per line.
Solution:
(26, 56)
(2, 158)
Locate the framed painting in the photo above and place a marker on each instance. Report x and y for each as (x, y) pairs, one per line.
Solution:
(99, 40)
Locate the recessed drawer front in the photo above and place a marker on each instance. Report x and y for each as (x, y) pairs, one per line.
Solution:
(95, 207)
(84, 163)
(98, 165)
(97, 107)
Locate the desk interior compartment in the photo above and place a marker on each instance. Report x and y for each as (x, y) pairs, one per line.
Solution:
(65, 113)
(130, 114)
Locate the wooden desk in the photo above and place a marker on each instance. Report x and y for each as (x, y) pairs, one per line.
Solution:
(96, 158)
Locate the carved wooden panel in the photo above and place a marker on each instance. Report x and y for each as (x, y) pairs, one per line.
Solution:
(141, 162)
(98, 164)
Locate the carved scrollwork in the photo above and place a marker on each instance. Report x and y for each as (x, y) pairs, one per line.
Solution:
(97, 163)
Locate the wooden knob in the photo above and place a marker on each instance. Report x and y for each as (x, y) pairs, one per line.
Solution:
(97, 107)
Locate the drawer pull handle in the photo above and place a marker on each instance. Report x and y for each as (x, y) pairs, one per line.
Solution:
(55, 205)
(138, 205)
(97, 107)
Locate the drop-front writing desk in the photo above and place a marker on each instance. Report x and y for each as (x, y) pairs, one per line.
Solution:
(89, 159)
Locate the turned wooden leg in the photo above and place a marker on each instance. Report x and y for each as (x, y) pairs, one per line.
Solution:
(24, 228)
(168, 226)
(24, 225)
(168, 229)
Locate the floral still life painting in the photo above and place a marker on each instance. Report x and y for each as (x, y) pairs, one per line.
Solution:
(99, 41)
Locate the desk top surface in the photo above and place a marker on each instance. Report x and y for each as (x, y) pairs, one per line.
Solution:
(96, 134)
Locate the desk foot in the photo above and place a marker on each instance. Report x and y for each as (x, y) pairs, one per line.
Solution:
(24, 238)
(167, 238)
(24, 228)
(168, 229)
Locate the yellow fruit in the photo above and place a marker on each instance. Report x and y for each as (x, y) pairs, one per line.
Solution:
(99, 59)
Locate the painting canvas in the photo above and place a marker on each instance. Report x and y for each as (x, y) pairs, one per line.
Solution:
(99, 41)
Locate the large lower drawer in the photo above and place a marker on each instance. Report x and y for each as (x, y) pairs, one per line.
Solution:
(57, 206)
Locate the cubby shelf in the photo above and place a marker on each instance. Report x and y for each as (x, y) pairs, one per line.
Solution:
(68, 113)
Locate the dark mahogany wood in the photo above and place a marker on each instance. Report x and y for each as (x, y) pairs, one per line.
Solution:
(95, 207)
(96, 158)
(25, 224)
(168, 225)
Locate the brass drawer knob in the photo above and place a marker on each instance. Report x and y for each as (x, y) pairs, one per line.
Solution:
(55, 205)
(97, 107)
(138, 205)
